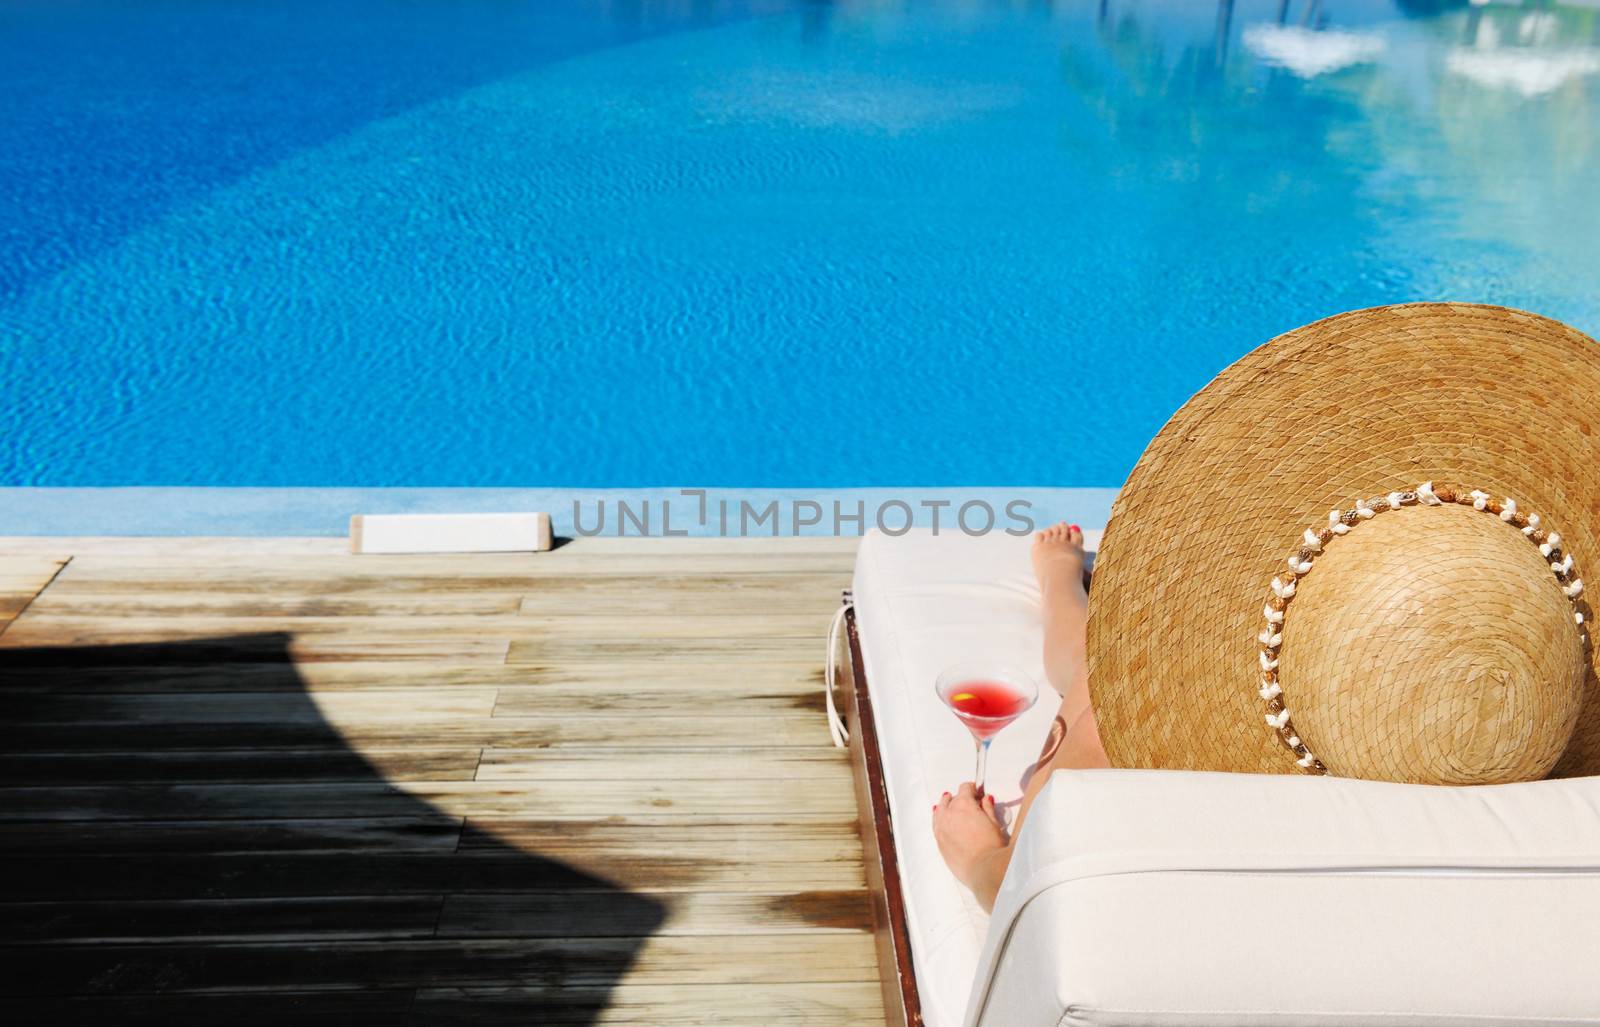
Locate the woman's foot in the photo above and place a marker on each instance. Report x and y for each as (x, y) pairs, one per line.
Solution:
(1058, 560)
(970, 836)
(1058, 557)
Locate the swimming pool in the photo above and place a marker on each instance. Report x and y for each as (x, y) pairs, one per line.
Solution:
(764, 244)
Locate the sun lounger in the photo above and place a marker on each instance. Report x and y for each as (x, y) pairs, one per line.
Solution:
(1157, 897)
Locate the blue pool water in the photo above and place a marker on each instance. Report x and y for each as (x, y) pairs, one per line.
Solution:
(553, 243)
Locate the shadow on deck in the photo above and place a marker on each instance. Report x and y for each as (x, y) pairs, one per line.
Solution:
(160, 866)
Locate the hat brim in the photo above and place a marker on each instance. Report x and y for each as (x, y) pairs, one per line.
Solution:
(1356, 405)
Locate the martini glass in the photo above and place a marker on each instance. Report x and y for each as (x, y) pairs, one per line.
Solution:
(985, 698)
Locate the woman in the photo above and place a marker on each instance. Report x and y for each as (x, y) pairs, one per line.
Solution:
(972, 835)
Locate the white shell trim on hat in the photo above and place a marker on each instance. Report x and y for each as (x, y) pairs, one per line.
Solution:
(1339, 523)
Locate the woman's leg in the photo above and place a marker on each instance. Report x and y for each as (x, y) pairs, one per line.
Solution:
(971, 835)
(1058, 559)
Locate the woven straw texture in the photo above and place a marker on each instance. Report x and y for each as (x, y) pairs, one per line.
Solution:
(1359, 405)
(1433, 645)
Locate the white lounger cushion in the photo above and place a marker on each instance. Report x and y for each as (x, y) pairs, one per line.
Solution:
(1142, 897)
(924, 602)
(1160, 897)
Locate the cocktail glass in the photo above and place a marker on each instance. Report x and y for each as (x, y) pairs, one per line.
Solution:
(985, 698)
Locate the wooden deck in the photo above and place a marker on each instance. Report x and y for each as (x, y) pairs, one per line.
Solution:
(265, 781)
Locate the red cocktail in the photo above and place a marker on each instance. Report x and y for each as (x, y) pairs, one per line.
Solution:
(985, 699)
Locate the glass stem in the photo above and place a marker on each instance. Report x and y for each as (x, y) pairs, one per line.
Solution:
(983, 763)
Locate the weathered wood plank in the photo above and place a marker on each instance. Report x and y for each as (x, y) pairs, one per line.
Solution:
(282, 918)
(129, 711)
(330, 763)
(16, 568)
(851, 1004)
(364, 1007)
(41, 628)
(776, 1004)
(414, 832)
(73, 601)
(576, 596)
(814, 767)
(707, 651)
(800, 674)
(714, 699)
(21, 581)
(806, 865)
(760, 839)
(571, 914)
(357, 799)
(275, 572)
(571, 586)
(536, 962)
(338, 547)
(48, 649)
(797, 728)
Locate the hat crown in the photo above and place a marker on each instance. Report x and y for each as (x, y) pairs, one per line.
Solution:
(1433, 646)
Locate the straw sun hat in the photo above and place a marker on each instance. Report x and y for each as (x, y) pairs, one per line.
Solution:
(1360, 551)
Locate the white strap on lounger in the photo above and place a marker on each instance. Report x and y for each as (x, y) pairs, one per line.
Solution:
(836, 726)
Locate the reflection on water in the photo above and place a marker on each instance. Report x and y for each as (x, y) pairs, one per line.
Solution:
(678, 241)
(1312, 52)
(1530, 50)
(1476, 121)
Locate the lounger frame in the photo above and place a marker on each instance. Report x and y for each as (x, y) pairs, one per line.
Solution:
(901, 1005)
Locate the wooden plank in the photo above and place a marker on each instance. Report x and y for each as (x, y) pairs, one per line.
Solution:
(416, 831)
(49, 649)
(668, 1005)
(527, 962)
(797, 728)
(21, 567)
(706, 651)
(274, 572)
(812, 768)
(310, 920)
(17, 678)
(41, 628)
(232, 584)
(21, 581)
(806, 865)
(712, 698)
(329, 763)
(338, 547)
(357, 799)
(77, 602)
(569, 914)
(762, 839)
(364, 1007)
(846, 1004)
(693, 600)
(573, 596)
(130, 711)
